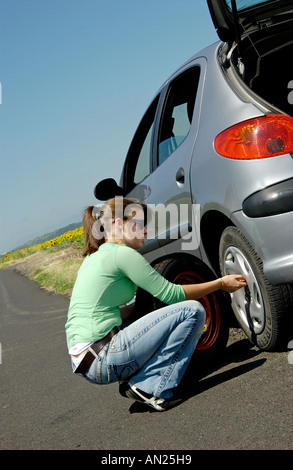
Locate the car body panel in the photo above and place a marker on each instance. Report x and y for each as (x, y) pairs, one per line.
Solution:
(269, 237)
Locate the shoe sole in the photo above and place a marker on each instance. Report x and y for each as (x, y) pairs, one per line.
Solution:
(152, 402)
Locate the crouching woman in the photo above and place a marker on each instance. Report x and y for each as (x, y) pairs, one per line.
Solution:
(150, 355)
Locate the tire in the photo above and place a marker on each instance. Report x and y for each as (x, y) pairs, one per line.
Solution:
(215, 337)
(261, 309)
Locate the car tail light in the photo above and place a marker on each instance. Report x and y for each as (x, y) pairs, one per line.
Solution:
(262, 137)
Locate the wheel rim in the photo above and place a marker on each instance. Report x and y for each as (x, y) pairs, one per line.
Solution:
(247, 302)
(211, 306)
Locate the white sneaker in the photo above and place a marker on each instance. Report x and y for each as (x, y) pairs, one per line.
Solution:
(159, 404)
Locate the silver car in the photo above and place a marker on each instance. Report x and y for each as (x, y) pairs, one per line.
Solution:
(214, 150)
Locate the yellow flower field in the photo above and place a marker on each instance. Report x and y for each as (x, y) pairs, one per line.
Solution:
(71, 235)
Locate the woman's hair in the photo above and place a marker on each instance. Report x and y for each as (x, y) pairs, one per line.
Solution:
(97, 221)
(91, 244)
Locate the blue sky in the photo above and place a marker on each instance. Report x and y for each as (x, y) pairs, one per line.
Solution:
(76, 78)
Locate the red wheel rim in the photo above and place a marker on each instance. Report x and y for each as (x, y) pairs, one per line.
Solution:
(211, 306)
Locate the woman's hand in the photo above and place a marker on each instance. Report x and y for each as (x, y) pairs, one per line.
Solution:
(229, 283)
(232, 282)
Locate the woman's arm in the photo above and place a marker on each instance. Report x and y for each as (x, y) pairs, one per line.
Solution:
(230, 283)
(136, 267)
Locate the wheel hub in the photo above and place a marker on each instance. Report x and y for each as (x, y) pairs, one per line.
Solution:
(247, 302)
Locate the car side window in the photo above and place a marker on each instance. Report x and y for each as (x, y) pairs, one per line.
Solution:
(177, 115)
(143, 162)
(138, 160)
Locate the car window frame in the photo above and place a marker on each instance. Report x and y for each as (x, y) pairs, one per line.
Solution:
(165, 92)
(137, 142)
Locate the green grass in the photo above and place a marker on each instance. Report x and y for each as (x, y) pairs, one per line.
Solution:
(59, 277)
(54, 268)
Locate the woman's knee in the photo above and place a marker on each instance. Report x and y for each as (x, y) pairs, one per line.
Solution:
(195, 310)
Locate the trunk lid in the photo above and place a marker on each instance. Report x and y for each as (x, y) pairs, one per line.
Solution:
(234, 19)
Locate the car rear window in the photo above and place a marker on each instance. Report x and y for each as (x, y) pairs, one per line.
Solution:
(246, 4)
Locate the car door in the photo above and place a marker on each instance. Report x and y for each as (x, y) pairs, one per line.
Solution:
(139, 164)
(174, 136)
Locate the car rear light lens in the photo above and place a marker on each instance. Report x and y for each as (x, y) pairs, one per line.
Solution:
(262, 137)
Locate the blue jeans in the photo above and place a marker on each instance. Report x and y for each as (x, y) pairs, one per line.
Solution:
(154, 351)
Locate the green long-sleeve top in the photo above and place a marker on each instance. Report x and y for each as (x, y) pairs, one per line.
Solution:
(107, 279)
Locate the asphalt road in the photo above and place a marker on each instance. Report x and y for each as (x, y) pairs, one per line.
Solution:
(245, 402)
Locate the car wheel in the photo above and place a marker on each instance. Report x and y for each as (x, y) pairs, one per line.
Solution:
(260, 308)
(216, 330)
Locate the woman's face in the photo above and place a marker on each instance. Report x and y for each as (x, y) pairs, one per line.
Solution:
(134, 230)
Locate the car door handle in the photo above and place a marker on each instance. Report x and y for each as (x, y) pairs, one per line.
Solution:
(180, 176)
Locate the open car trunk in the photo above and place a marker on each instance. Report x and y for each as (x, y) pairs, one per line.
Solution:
(260, 33)
(267, 64)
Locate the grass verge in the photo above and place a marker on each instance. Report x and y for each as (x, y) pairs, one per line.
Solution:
(55, 268)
